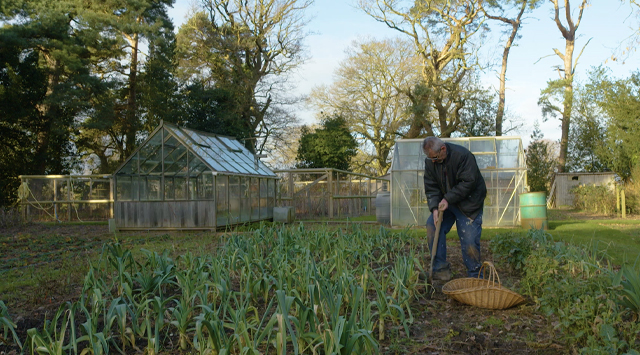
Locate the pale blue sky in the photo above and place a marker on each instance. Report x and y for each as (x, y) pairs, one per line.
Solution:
(337, 23)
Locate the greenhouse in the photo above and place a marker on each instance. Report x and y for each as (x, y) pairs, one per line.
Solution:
(501, 161)
(185, 179)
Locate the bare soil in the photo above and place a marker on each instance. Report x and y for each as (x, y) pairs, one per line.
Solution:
(441, 325)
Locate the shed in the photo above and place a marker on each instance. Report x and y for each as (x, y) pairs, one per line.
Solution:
(560, 193)
(500, 159)
(181, 178)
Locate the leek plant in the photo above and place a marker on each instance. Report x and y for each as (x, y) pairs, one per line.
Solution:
(51, 340)
(117, 315)
(627, 280)
(97, 339)
(121, 260)
(387, 307)
(8, 326)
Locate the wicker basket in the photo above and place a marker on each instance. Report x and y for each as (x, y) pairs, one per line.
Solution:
(483, 293)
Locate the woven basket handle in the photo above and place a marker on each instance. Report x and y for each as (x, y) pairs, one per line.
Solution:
(493, 274)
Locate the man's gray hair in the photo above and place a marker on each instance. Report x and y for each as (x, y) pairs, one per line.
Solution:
(433, 144)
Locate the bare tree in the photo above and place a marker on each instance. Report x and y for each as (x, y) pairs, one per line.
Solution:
(247, 47)
(630, 44)
(565, 84)
(369, 93)
(441, 32)
(494, 10)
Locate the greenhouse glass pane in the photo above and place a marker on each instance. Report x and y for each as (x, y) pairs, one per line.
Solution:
(486, 161)
(423, 215)
(192, 188)
(142, 188)
(196, 171)
(150, 188)
(263, 198)
(196, 165)
(420, 166)
(406, 191)
(208, 185)
(408, 148)
(151, 155)
(423, 196)
(271, 199)
(508, 153)
(180, 187)
(222, 201)
(230, 158)
(131, 168)
(175, 161)
(135, 188)
(196, 187)
(410, 163)
(123, 188)
(490, 215)
(245, 204)
(480, 146)
(407, 216)
(212, 154)
(255, 199)
(464, 143)
(234, 199)
(238, 156)
(506, 217)
(395, 189)
(169, 191)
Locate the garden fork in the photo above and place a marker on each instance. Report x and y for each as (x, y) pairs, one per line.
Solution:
(435, 244)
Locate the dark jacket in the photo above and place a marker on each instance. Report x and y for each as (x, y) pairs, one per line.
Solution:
(466, 188)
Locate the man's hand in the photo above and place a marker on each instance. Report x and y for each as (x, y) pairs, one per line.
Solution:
(443, 205)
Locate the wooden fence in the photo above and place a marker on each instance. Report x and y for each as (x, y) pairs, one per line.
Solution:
(328, 193)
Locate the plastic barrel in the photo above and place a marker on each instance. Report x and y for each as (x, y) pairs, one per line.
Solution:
(533, 210)
(383, 207)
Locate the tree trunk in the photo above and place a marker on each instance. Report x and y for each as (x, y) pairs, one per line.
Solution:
(44, 136)
(569, 35)
(567, 104)
(446, 128)
(132, 119)
(515, 25)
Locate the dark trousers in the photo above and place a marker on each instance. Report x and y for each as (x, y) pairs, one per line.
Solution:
(469, 232)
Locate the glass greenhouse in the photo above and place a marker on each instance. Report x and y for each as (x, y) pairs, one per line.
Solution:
(501, 161)
(185, 179)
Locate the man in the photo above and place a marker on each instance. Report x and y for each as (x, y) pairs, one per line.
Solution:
(456, 191)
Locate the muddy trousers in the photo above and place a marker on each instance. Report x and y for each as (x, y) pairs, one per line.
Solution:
(469, 232)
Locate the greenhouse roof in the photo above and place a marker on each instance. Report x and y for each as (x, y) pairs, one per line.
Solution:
(221, 154)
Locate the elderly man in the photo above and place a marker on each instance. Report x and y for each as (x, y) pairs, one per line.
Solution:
(456, 191)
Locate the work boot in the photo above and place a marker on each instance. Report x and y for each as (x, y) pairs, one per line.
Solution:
(442, 275)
